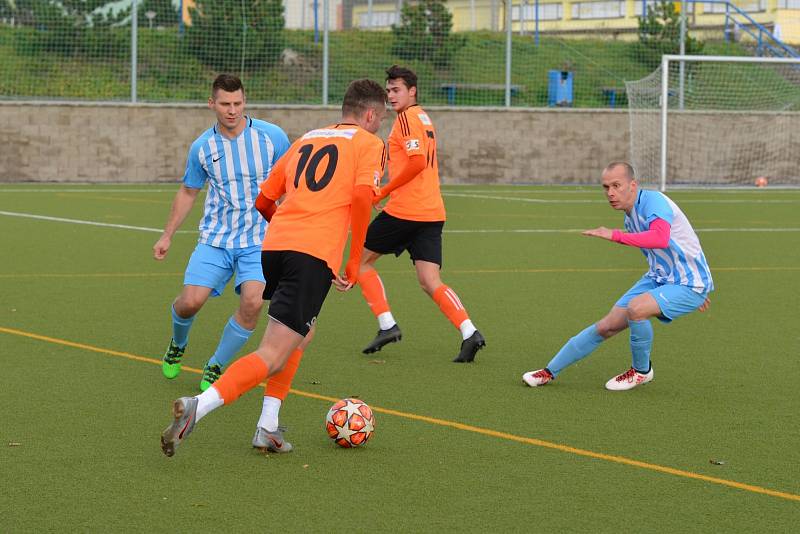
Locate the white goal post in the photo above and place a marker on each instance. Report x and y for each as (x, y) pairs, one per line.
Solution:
(713, 121)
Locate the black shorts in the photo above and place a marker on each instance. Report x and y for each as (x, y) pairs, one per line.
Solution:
(422, 239)
(297, 285)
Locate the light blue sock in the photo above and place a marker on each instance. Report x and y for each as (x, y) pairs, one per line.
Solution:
(641, 344)
(577, 348)
(234, 336)
(180, 328)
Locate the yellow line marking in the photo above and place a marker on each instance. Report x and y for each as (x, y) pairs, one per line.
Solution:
(407, 271)
(121, 199)
(452, 424)
(88, 275)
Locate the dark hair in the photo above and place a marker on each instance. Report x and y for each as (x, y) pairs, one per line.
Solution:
(362, 95)
(624, 164)
(396, 72)
(228, 83)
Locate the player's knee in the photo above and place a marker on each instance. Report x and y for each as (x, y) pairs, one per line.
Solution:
(188, 305)
(637, 311)
(429, 285)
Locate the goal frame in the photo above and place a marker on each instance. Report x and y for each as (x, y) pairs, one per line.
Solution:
(682, 59)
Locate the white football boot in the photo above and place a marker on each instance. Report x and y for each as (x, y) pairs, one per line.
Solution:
(629, 380)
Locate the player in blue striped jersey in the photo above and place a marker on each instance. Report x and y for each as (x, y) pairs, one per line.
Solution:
(677, 282)
(233, 157)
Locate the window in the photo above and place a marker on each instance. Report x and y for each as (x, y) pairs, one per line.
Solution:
(380, 19)
(598, 10)
(547, 11)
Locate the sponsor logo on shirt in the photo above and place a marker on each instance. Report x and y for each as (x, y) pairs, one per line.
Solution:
(324, 132)
(424, 119)
(377, 179)
(412, 144)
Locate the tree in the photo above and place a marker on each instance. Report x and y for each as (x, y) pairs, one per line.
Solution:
(660, 33)
(226, 37)
(424, 33)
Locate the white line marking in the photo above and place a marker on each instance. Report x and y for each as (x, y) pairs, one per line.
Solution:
(104, 190)
(578, 230)
(600, 201)
(456, 231)
(90, 223)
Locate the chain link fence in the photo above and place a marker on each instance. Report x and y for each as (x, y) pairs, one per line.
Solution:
(466, 52)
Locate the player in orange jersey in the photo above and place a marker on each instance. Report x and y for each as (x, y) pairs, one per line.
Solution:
(328, 179)
(412, 220)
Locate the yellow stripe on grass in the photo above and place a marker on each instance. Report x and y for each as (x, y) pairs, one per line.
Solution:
(452, 424)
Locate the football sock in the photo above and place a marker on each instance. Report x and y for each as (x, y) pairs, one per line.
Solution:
(386, 321)
(180, 328)
(641, 344)
(577, 348)
(234, 336)
(374, 293)
(279, 383)
(207, 401)
(243, 375)
(450, 304)
(269, 414)
(467, 329)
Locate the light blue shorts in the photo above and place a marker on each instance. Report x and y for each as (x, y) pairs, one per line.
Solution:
(214, 267)
(674, 300)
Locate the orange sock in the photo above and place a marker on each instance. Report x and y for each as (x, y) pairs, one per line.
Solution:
(372, 289)
(278, 384)
(450, 304)
(242, 376)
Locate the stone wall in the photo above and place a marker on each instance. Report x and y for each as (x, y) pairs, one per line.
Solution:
(79, 142)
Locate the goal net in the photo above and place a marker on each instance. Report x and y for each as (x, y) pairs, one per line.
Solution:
(713, 121)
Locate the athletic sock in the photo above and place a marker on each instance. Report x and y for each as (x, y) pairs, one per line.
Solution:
(450, 304)
(243, 375)
(641, 344)
(207, 401)
(386, 321)
(577, 348)
(278, 384)
(234, 336)
(374, 293)
(467, 329)
(180, 328)
(269, 414)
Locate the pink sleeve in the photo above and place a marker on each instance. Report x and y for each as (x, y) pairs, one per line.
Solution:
(656, 237)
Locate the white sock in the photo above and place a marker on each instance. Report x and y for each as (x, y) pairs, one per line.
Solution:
(208, 401)
(386, 321)
(467, 329)
(269, 414)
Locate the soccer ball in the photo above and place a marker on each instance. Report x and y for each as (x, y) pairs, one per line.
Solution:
(761, 181)
(350, 423)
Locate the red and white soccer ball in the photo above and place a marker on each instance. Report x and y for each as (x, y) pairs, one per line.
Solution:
(350, 423)
(762, 181)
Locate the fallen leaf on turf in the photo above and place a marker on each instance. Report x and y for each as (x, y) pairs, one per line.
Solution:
(377, 361)
(14, 444)
(717, 462)
(305, 466)
(316, 382)
(197, 505)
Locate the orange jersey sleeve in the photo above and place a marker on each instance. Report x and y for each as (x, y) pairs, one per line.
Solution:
(274, 186)
(318, 174)
(413, 133)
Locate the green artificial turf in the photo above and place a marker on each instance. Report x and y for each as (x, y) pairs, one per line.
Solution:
(80, 423)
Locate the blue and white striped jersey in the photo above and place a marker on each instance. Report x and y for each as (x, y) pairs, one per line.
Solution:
(234, 169)
(683, 262)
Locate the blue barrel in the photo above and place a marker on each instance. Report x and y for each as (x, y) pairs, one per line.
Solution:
(559, 88)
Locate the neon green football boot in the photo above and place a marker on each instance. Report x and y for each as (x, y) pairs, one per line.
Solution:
(211, 374)
(171, 363)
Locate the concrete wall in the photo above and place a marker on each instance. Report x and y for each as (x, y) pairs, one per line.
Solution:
(57, 142)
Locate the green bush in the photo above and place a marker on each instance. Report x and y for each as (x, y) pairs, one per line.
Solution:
(424, 33)
(660, 33)
(220, 27)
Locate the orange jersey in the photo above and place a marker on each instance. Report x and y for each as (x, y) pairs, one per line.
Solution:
(316, 177)
(420, 199)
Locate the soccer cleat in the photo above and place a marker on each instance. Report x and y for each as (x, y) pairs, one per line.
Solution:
(629, 380)
(537, 378)
(171, 363)
(384, 337)
(210, 375)
(271, 441)
(470, 347)
(184, 413)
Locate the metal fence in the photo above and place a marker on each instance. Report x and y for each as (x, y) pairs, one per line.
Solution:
(466, 52)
